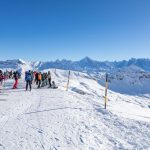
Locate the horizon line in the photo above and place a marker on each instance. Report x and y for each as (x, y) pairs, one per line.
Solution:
(86, 57)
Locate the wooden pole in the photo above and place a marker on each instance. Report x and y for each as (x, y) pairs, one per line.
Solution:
(106, 89)
(68, 81)
(4, 84)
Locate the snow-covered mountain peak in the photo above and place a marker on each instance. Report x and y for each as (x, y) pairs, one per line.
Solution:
(86, 59)
(21, 61)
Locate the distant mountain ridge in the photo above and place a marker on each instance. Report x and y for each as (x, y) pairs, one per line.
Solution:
(129, 77)
(86, 64)
(89, 65)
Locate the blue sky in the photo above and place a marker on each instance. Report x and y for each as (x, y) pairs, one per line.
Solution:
(72, 29)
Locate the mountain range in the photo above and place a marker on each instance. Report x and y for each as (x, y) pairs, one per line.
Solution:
(85, 65)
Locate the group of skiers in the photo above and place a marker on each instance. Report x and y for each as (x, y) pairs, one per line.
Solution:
(10, 75)
(40, 79)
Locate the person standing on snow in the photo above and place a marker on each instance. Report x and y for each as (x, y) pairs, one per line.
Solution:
(32, 74)
(28, 79)
(36, 78)
(49, 78)
(16, 77)
(39, 79)
(1, 77)
(43, 80)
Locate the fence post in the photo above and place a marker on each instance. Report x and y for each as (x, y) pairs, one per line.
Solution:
(0, 87)
(4, 84)
(106, 89)
(68, 81)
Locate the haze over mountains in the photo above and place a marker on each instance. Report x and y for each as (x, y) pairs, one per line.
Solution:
(86, 64)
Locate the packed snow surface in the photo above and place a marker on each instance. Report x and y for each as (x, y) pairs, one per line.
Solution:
(56, 119)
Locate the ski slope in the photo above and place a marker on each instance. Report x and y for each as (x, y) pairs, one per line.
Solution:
(48, 119)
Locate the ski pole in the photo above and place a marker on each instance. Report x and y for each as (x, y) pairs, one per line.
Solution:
(106, 89)
(68, 81)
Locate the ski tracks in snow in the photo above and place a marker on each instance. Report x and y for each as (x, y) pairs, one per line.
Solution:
(47, 119)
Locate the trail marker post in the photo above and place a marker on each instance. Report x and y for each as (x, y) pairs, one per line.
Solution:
(0, 87)
(5, 77)
(4, 83)
(68, 81)
(106, 89)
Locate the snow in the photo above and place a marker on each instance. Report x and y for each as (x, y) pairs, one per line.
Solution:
(57, 119)
(129, 80)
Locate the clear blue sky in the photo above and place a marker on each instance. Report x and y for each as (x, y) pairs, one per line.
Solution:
(72, 29)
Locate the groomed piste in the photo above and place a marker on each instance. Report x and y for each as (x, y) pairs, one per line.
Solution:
(56, 119)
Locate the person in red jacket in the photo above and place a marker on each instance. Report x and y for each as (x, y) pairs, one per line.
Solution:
(16, 77)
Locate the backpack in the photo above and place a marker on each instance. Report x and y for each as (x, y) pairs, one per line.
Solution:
(28, 76)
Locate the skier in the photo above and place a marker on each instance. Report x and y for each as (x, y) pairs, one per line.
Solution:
(46, 78)
(32, 74)
(43, 80)
(53, 86)
(11, 75)
(39, 79)
(1, 77)
(16, 77)
(36, 78)
(28, 79)
(49, 78)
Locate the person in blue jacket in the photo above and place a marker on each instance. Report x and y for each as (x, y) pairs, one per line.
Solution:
(28, 79)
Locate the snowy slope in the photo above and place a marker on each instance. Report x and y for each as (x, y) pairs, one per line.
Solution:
(74, 119)
(129, 80)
